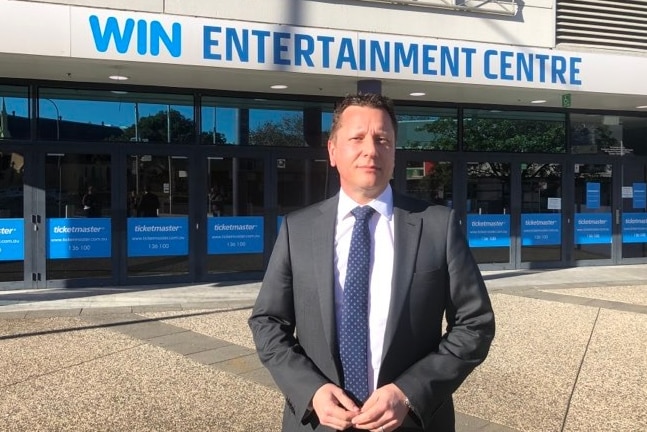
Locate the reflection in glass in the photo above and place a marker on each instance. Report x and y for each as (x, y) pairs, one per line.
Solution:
(541, 208)
(634, 210)
(433, 129)
(488, 194)
(235, 201)
(514, 131)
(430, 181)
(78, 187)
(592, 223)
(14, 112)
(158, 208)
(12, 251)
(300, 183)
(608, 134)
(95, 115)
(262, 122)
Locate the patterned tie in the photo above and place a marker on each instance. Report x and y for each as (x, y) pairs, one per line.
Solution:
(353, 338)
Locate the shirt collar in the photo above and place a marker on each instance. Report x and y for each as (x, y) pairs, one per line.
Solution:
(383, 204)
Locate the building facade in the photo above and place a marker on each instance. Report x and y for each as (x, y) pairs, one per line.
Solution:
(162, 141)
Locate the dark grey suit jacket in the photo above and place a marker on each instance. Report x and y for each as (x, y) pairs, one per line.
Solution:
(293, 321)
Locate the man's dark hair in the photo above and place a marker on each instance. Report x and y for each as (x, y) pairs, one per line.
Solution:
(370, 100)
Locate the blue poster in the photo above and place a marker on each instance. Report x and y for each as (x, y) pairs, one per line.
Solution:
(640, 195)
(488, 230)
(78, 238)
(158, 236)
(12, 239)
(235, 235)
(593, 195)
(592, 228)
(634, 228)
(541, 229)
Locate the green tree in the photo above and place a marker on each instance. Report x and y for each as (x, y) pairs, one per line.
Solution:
(155, 128)
(287, 132)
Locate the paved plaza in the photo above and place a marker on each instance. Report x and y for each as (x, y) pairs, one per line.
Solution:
(570, 354)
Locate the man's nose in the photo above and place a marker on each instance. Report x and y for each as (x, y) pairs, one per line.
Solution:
(370, 146)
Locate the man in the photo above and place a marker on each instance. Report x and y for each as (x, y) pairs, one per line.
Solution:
(420, 269)
(91, 205)
(149, 204)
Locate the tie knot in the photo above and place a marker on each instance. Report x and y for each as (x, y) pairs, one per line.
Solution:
(362, 213)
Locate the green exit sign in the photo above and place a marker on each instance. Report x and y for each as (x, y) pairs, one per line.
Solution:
(566, 100)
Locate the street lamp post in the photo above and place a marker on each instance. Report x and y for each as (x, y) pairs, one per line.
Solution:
(58, 119)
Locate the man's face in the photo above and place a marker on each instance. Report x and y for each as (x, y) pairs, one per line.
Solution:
(363, 150)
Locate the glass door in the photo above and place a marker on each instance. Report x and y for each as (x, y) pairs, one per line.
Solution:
(12, 223)
(157, 203)
(431, 180)
(593, 213)
(78, 216)
(633, 218)
(488, 212)
(541, 214)
(235, 213)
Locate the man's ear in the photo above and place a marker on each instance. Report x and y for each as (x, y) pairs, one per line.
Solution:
(331, 153)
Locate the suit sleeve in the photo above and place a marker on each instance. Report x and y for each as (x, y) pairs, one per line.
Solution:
(273, 327)
(430, 382)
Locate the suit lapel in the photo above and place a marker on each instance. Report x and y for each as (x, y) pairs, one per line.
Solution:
(407, 228)
(323, 233)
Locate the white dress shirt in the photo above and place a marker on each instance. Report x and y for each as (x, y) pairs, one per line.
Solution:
(381, 268)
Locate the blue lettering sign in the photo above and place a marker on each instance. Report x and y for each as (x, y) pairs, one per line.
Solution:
(384, 56)
(149, 36)
(79, 238)
(634, 228)
(541, 229)
(488, 230)
(12, 239)
(640, 195)
(235, 235)
(592, 228)
(593, 195)
(154, 236)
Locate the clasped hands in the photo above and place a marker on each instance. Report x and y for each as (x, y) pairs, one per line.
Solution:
(384, 410)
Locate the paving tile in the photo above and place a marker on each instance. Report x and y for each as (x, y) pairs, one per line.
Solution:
(221, 354)
(261, 376)
(187, 342)
(468, 423)
(147, 329)
(106, 310)
(611, 391)
(46, 313)
(156, 308)
(240, 365)
(631, 294)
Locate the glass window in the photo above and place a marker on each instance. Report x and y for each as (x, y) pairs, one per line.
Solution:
(608, 134)
(262, 122)
(100, 115)
(514, 131)
(427, 130)
(14, 112)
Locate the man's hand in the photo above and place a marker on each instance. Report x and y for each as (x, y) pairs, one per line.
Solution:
(385, 408)
(333, 407)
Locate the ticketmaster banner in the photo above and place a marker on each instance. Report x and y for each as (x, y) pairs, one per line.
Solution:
(488, 230)
(158, 236)
(592, 228)
(78, 238)
(235, 235)
(541, 229)
(634, 228)
(12, 239)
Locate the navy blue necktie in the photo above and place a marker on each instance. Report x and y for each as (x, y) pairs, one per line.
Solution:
(353, 337)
